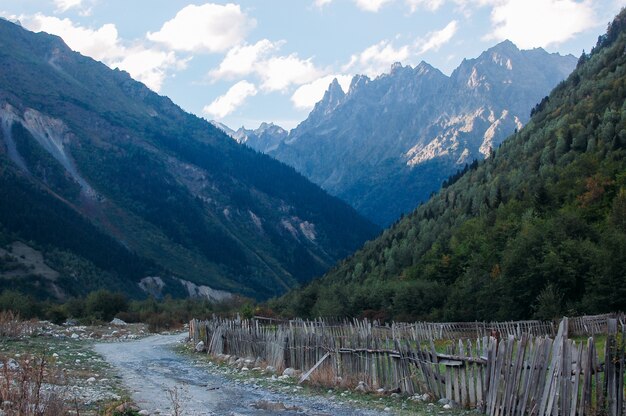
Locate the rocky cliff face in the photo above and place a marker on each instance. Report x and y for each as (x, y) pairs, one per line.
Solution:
(387, 143)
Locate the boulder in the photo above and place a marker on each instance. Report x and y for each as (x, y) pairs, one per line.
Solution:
(362, 387)
(200, 346)
(289, 372)
(118, 322)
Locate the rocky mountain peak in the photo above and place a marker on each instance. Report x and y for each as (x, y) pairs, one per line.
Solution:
(357, 82)
(393, 139)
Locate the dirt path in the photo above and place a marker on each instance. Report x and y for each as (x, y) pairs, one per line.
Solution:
(151, 369)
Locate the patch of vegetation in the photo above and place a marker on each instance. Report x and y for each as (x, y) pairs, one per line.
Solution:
(102, 305)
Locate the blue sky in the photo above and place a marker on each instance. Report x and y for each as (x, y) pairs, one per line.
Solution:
(248, 61)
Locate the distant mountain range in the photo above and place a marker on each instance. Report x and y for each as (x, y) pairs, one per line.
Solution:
(104, 183)
(387, 143)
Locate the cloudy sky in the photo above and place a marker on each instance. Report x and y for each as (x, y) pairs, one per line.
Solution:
(248, 61)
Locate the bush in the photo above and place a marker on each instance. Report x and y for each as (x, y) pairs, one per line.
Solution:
(103, 305)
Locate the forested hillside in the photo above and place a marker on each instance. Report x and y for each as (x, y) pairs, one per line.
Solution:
(111, 185)
(537, 230)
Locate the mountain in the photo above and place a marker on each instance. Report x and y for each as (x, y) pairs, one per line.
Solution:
(104, 183)
(387, 143)
(264, 139)
(538, 229)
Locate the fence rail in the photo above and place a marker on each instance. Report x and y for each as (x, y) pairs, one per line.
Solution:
(527, 368)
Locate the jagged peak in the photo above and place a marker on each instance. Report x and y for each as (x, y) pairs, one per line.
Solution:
(504, 46)
(358, 81)
(334, 89)
(263, 127)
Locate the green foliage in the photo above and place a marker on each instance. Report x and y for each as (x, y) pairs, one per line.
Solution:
(103, 305)
(538, 229)
(21, 304)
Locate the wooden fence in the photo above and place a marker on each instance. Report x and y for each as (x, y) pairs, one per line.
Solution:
(517, 374)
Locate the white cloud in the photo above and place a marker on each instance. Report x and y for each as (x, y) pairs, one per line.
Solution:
(234, 97)
(531, 23)
(102, 44)
(431, 5)
(275, 72)
(150, 66)
(242, 60)
(280, 72)
(305, 97)
(209, 27)
(321, 3)
(371, 5)
(65, 5)
(377, 58)
(437, 39)
(147, 65)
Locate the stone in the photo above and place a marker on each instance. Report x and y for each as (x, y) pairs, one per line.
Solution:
(144, 412)
(269, 369)
(380, 391)
(55, 355)
(118, 322)
(13, 365)
(199, 346)
(387, 409)
(75, 336)
(91, 380)
(289, 372)
(443, 401)
(447, 406)
(362, 387)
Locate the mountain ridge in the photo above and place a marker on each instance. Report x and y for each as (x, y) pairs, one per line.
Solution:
(165, 190)
(387, 143)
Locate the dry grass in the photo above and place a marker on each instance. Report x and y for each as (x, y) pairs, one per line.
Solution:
(29, 387)
(11, 326)
(323, 376)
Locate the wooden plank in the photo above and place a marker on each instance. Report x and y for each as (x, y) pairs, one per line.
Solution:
(515, 374)
(547, 399)
(471, 376)
(610, 373)
(463, 384)
(308, 373)
(449, 383)
(565, 398)
(576, 380)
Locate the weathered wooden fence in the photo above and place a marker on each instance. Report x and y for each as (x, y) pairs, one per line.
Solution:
(517, 374)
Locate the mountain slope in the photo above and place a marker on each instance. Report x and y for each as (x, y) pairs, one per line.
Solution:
(388, 143)
(106, 178)
(537, 229)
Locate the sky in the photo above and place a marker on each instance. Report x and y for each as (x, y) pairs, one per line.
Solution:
(249, 61)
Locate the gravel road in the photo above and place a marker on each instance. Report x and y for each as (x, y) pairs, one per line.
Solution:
(152, 370)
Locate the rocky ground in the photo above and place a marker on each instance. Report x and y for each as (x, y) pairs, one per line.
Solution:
(73, 369)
